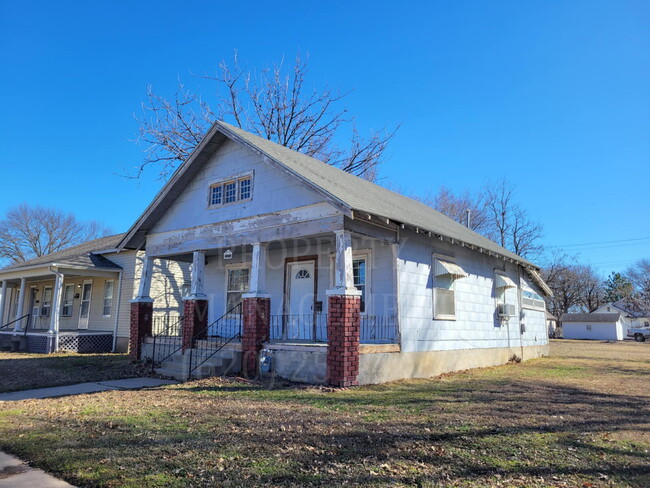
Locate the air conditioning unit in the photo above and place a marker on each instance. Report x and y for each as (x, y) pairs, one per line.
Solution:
(505, 310)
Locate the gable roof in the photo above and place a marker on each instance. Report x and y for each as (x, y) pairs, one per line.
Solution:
(591, 317)
(76, 256)
(632, 307)
(346, 191)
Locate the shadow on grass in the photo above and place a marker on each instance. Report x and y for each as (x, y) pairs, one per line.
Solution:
(467, 429)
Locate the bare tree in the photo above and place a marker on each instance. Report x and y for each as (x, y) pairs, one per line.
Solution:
(457, 207)
(639, 276)
(494, 214)
(29, 232)
(576, 287)
(275, 103)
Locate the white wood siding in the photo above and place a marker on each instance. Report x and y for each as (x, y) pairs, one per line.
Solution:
(272, 191)
(476, 324)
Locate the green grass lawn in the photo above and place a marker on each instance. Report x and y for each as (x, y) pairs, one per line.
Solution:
(577, 419)
(23, 371)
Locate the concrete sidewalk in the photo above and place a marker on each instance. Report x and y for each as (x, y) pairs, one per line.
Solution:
(80, 388)
(16, 474)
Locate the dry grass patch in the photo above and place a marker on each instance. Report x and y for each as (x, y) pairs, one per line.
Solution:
(564, 421)
(24, 371)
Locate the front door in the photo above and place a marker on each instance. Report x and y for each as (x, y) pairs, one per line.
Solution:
(84, 307)
(33, 308)
(299, 321)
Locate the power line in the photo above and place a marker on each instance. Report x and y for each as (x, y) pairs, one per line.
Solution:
(605, 242)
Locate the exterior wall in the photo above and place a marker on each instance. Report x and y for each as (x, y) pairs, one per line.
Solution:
(604, 331)
(166, 287)
(476, 325)
(299, 363)
(272, 191)
(382, 367)
(96, 320)
(380, 287)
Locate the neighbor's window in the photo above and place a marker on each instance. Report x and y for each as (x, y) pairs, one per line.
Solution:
(446, 273)
(237, 285)
(359, 275)
(588, 326)
(68, 300)
(108, 298)
(47, 301)
(231, 191)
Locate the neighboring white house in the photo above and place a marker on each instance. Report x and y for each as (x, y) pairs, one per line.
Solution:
(632, 314)
(596, 326)
(93, 284)
(327, 277)
(551, 324)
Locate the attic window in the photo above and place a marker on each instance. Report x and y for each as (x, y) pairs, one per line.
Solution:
(231, 190)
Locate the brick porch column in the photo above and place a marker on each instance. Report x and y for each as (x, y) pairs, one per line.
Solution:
(343, 326)
(141, 310)
(141, 319)
(195, 321)
(343, 318)
(256, 331)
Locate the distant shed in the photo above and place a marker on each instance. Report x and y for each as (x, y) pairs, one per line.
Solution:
(596, 326)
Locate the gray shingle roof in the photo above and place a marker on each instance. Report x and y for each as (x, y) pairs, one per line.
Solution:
(79, 255)
(591, 317)
(362, 195)
(348, 191)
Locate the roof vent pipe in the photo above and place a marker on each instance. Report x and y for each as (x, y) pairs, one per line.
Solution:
(469, 212)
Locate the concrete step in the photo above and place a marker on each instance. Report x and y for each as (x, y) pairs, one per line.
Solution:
(215, 366)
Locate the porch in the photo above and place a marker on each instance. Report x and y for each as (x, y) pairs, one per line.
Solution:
(48, 308)
(286, 290)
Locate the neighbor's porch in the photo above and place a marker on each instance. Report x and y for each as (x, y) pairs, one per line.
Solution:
(58, 308)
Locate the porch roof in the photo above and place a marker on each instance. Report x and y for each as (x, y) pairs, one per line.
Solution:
(83, 256)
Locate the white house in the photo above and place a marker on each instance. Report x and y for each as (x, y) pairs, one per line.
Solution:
(596, 326)
(632, 314)
(318, 275)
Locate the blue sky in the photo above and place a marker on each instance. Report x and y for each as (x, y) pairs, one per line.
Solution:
(552, 95)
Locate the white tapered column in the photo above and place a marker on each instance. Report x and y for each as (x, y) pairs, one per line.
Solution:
(198, 276)
(145, 280)
(3, 300)
(258, 272)
(57, 298)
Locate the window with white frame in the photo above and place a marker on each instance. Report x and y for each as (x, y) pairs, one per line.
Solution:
(445, 274)
(505, 309)
(532, 299)
(46, 306)
(237, 283)
(108, 297)
(68, 300)
(359, 276)
(232, 190)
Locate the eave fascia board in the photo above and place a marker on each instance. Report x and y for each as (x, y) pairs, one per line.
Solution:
(180, 171)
